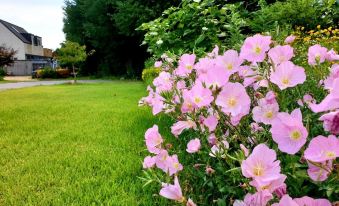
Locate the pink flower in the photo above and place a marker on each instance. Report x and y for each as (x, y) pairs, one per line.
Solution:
(180, 126)
(190, 202)
(281, 54)
(187, 105)
(329, 81)
(203, 66)
(200, 96)
(261, 165)
(307, 201)
(267, 109)
(288, 75)
(308, 99)
(209, 170)
(244, 150)
(316, 54)
(172, 192)
(154, 100)
(321, 149)
(149, 162)
(271, 186)
(289, 132)
(330, 102)
(173, 165)
(258, 199)
(256, 128)
(230, 62)
(158, 64)
(214, 52)
(212, 139)
(281, 191)
(186, 65)
(161, 160)
(181, 85)
(163, 82)
(254, 48)
(193, 145)
(211, 122)
(332, 55)
(319, 171)
(234, 100)
(153, 140)
(215, 77)
(290, 39)
(331, 122)
(286, 200)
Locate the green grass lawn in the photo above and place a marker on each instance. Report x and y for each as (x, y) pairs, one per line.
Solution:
(74, 145)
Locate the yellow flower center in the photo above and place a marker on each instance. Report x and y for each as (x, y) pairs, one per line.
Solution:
(285, 81)
(232, 102)
(257, 49)
(189, 67)
(330, 154)
(269, 114)
(317, 57)
(295, 135)
(190, 106)
(258, 170)
(197, 100)
(229, 66)
(176, 165)
(266, 187)
(164, 158)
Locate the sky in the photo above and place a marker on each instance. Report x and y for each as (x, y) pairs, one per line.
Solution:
(42, 18)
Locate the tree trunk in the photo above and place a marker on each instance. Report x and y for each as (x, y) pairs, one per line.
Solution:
(74, 75)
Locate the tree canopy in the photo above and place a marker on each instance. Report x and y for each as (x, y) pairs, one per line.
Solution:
(6, 56)
(108, 27)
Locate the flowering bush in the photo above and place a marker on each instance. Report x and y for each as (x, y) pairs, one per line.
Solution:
(215, 22)
(251, 128)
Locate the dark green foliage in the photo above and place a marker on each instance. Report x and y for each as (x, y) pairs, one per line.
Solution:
(2, 73)
(195, 27)
(46, 73)
(108, 28)
(306, 13)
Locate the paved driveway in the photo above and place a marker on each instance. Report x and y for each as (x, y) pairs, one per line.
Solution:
(18, 85)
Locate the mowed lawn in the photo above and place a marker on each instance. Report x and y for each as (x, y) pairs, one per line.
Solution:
(74, 145)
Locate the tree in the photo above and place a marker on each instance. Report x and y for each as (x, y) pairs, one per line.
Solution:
(108, 27)
(6, 56)
(71, 53)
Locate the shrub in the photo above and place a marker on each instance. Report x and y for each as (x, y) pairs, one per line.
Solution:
(194, 25)
(252, 128)
(148, 75)
(306, 13)
(46, 73)
(2, 73)
(62, 73)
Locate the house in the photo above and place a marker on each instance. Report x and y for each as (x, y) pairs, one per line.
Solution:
(30, 53)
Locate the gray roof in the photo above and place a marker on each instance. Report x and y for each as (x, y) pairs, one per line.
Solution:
(17, 31)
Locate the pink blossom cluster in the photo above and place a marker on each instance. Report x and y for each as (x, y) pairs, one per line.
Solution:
(212, 96)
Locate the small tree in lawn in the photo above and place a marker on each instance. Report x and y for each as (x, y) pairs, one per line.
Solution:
(71, 53)
(6, 56)
(6, 59)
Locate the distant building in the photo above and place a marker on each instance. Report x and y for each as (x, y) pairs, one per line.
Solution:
(30, 53)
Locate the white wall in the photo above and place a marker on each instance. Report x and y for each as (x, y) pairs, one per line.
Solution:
(34, 50)
(12, 41)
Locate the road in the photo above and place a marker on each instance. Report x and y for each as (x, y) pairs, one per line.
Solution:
(19, 85)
